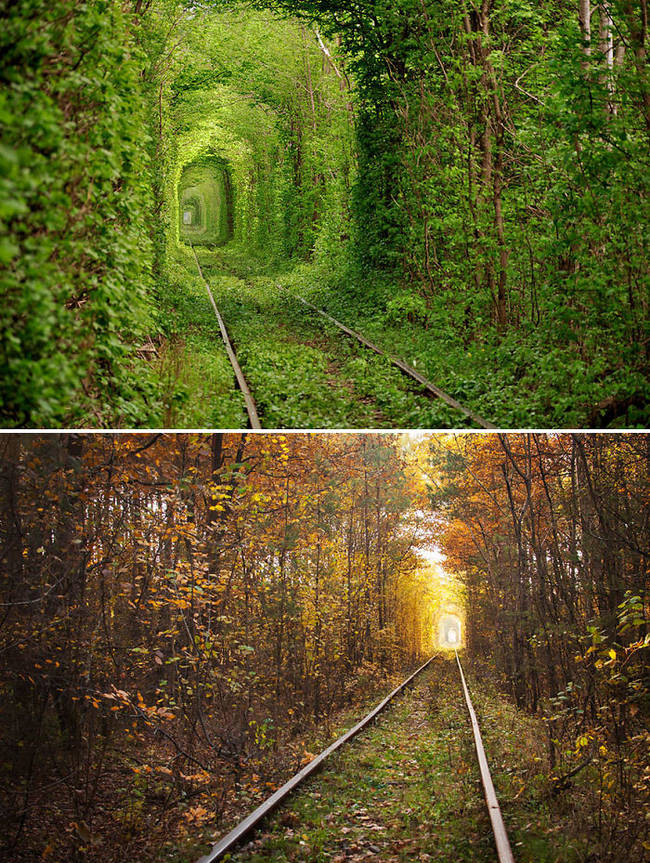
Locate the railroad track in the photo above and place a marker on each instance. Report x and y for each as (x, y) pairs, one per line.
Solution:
(504, 854)
(408, 370)
(251, 409)
(429, 387)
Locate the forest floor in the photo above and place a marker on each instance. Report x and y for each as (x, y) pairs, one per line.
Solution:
(408, 788)
(302, 371)
(305, 373)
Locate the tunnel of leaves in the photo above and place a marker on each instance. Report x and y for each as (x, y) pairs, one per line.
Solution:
(205, 203)
(185, 616)
(470, 185)
(255, 103)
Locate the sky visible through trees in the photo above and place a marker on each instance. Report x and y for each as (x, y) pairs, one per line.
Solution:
(185, 617)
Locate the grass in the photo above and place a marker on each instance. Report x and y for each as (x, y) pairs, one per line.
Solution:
(409, 789)
(305, 373)
(517, 380)
(302, 371)
(195, 375)
(197, 391)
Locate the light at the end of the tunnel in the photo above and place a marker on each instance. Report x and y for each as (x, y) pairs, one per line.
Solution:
(450, 631)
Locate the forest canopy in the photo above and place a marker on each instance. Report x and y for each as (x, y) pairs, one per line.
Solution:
(182, 614)
(467, 183)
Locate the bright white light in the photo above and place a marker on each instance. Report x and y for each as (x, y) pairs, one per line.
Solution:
(187, 217)
(450, 630)
(432, 554)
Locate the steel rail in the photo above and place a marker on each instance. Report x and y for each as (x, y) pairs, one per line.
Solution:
(248, 824)
(504, 852)
(241, 380)
(404, 367)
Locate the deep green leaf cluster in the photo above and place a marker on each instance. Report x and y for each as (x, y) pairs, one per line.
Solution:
(75, 207)
(471, 183)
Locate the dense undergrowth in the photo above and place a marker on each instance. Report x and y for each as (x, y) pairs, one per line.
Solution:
(303, 373)
(184, 634)
(550, 532)
(186, 616)
(409, 789)
(470, 184)
(75, 211)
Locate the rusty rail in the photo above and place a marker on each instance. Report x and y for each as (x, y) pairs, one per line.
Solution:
(248, 824)
(405, 368)
(504, 853)
(241, 380)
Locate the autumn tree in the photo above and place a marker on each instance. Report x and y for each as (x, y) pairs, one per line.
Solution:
(551, 534)
(177, 607)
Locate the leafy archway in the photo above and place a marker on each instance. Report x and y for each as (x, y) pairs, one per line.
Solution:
(205, 202)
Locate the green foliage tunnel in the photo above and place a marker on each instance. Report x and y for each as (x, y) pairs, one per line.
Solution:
(469, 182)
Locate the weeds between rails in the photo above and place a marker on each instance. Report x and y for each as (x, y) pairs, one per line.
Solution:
(249, 824)
(251, 408)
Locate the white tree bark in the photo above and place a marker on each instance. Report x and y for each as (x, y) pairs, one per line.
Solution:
(584, 17)
(606, 33)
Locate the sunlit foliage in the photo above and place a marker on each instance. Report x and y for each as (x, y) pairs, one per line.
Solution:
(551, 533)
(75, 211)
(177, 609)
(468, 184)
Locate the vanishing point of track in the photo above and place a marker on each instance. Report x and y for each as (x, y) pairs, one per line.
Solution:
(249, 824)
(406, 369)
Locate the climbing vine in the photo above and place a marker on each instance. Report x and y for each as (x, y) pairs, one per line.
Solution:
(469, 183)
(75, 216)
